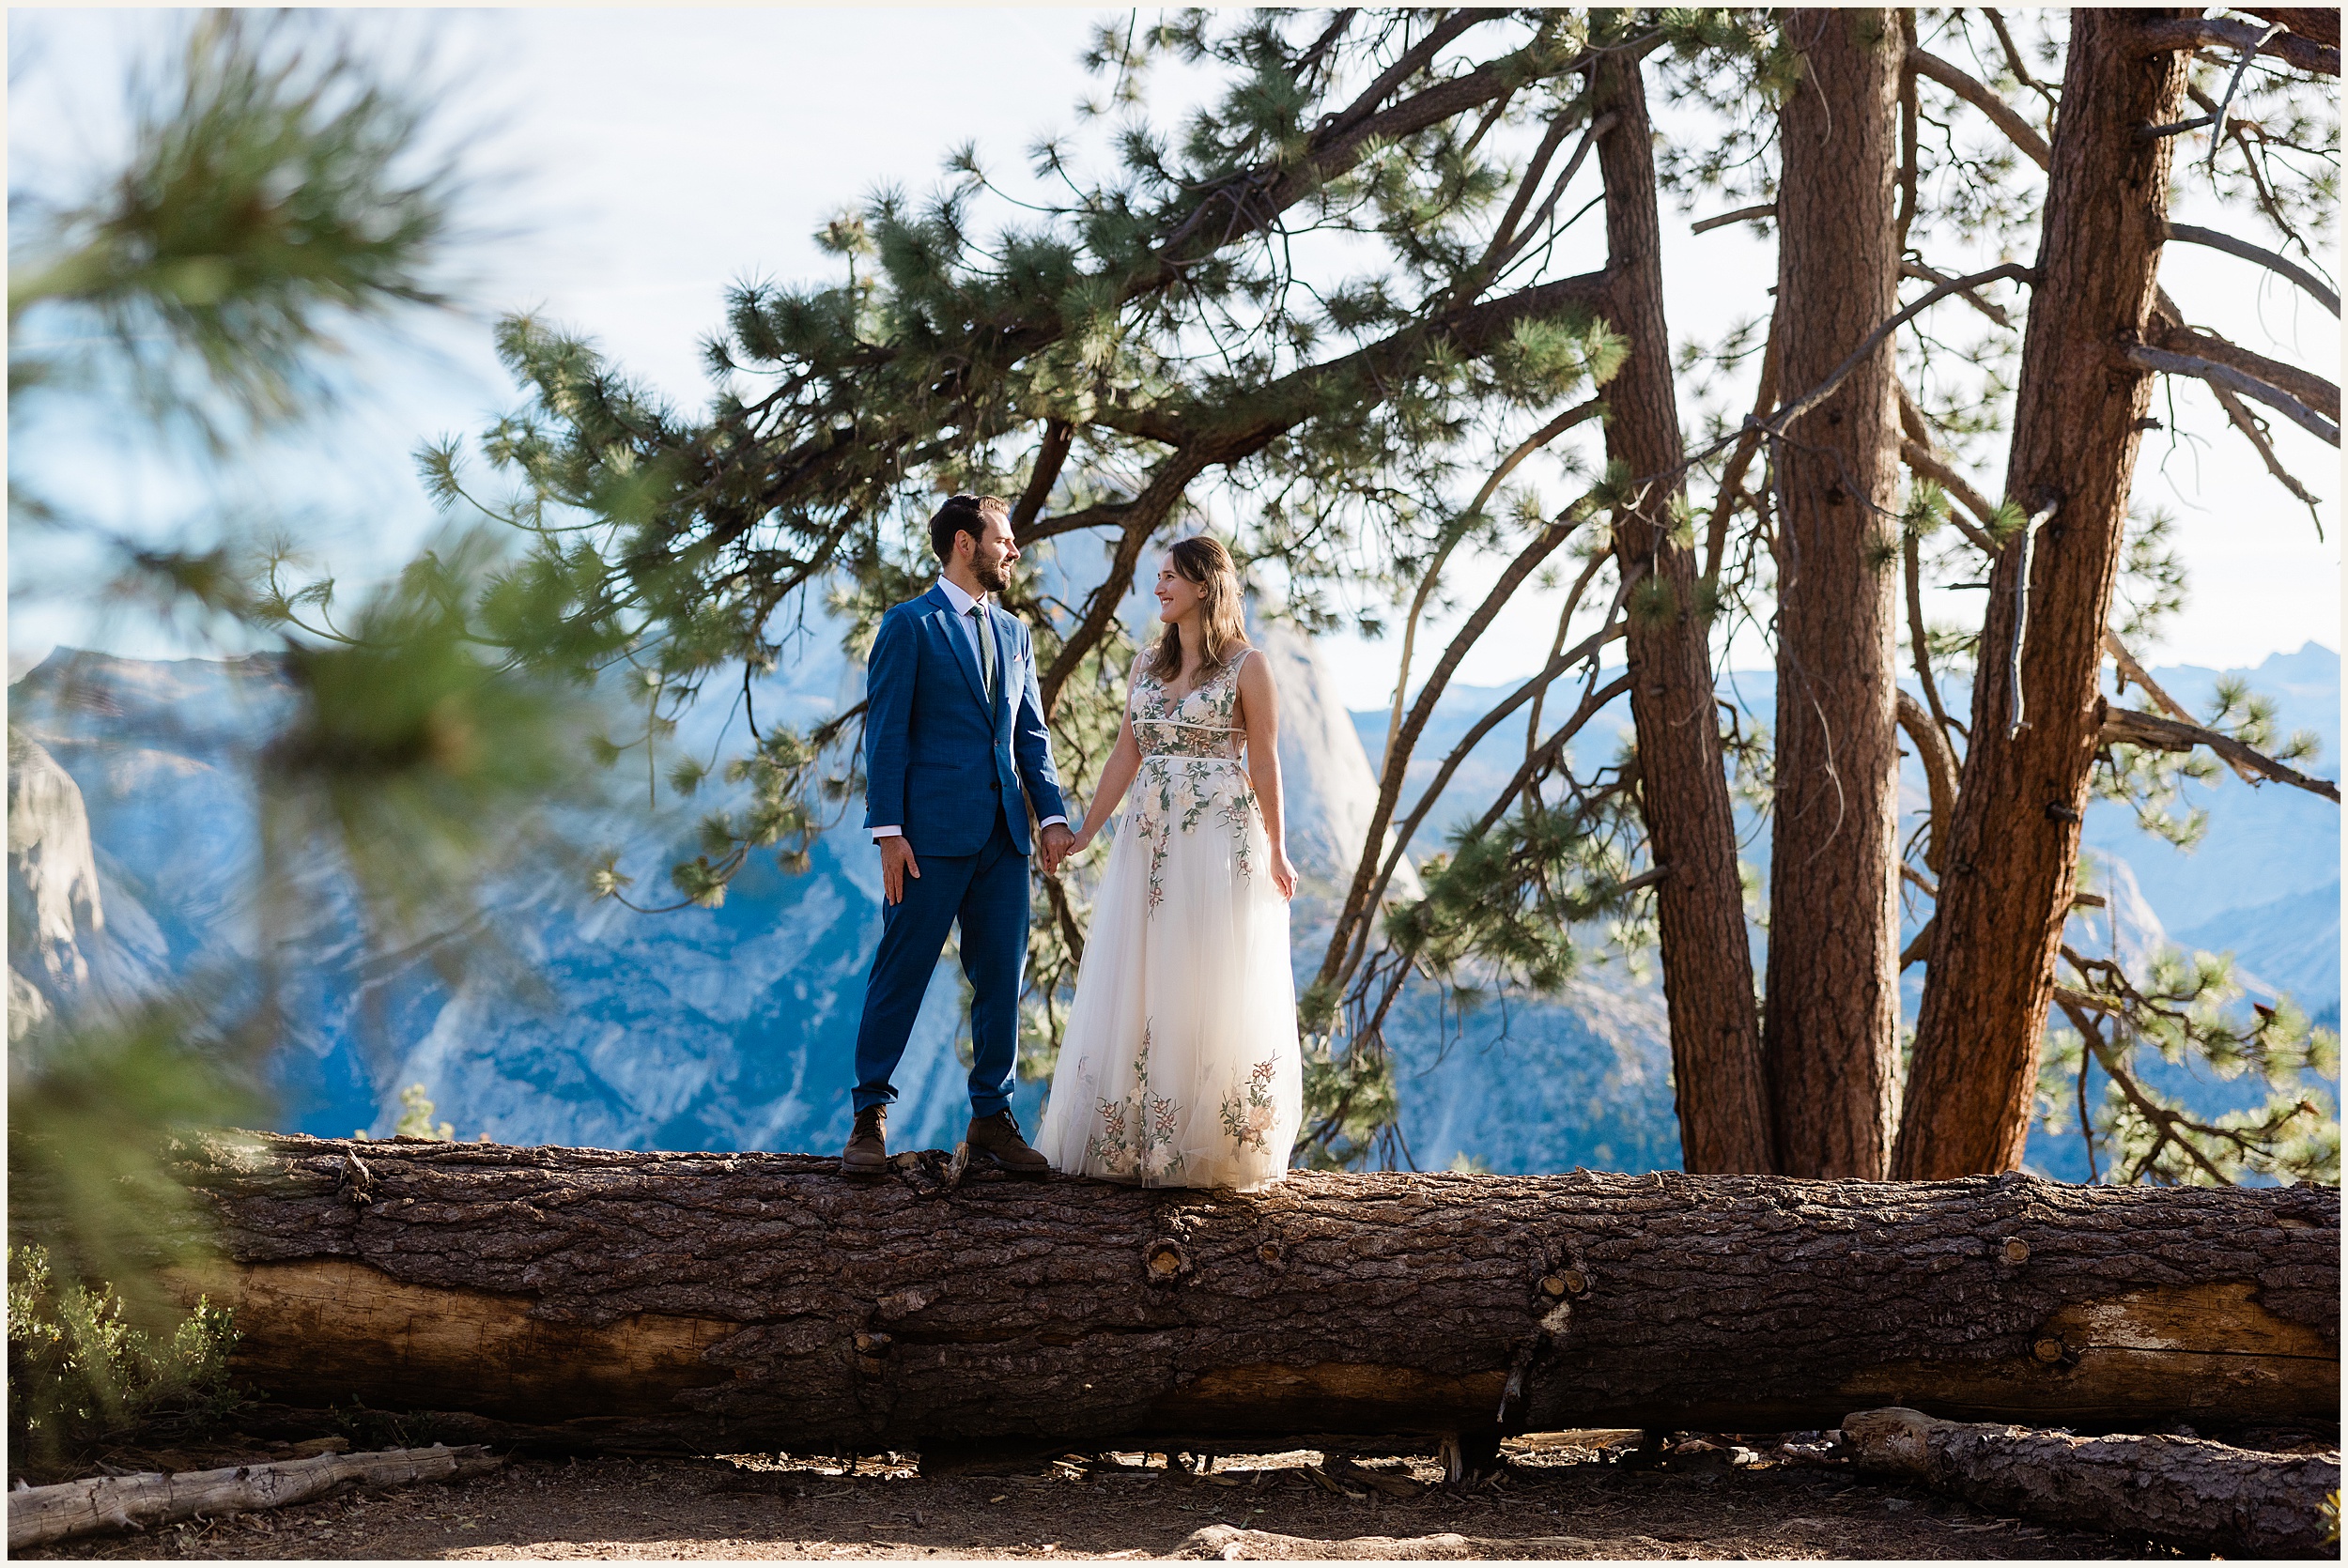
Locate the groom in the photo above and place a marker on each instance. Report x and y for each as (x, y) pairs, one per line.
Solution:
(955, 754)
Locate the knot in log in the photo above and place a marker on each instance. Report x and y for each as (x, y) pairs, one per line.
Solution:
(2016, 1249)
(1165, 1261)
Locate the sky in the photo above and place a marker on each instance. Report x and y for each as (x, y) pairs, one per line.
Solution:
(633, 163)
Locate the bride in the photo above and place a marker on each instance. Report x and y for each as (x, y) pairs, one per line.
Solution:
(1180, 1065)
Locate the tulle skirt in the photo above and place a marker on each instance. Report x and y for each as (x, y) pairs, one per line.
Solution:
(1180, 1065)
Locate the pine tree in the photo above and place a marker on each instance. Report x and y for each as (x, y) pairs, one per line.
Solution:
(1338, 310)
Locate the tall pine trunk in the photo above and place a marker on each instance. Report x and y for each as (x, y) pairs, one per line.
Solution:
(1683, 791)
(2013, 856)
(1831, 1020)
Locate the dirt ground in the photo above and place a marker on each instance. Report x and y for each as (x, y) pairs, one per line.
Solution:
(1571, 1497)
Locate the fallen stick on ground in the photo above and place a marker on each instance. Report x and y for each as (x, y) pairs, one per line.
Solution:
(1229, 1543)
(2184, 1492)
(41, 1514)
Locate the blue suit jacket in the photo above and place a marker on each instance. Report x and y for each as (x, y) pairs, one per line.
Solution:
(938, 763)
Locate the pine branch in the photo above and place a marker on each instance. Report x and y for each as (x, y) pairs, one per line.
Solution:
(2251, 432)
(1058, 436)
(1921, 273)
(2132, 671)
(1458, 532)
(1777, 423)
(1922, 460)
(2128, 726)
(2183, 33)
(1108, 515)
(2167, 363)
(2310, 389)
(1733, 477)
(2017, 129)
(2236, 246)
(1743, 214)
(1941, 771)
(2014, 59)
(1544, 756)
(1360, 899)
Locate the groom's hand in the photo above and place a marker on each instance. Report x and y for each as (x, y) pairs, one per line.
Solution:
(1057, 841)
(897, 865)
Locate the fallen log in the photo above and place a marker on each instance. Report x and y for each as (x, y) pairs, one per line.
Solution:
(39, 1516)
(2186, 1492)
(633, 1301)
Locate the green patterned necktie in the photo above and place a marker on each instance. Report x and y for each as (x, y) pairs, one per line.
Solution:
(986, 650)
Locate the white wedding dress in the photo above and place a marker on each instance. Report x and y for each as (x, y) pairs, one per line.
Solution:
(1180, 1066)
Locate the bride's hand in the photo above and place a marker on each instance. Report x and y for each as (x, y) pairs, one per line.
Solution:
(1083, 842)
(1283, 874)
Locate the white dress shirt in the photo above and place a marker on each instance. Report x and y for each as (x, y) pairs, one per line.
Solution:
(963, 603)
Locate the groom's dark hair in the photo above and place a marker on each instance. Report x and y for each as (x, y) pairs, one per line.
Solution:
(963, 515)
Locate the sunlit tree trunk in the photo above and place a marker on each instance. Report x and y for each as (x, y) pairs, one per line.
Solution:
(1831, 1021)
(1683, 791)
(2013, 854)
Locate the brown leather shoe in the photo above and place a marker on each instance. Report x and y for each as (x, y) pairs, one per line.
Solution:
(867, 1154)
(997, 1137)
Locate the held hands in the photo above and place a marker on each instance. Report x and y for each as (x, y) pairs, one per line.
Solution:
(1054, 844)
(896, 864)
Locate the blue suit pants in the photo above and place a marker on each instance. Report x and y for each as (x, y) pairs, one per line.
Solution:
(987, 893)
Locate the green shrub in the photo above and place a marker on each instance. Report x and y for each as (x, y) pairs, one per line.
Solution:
(80, 1371)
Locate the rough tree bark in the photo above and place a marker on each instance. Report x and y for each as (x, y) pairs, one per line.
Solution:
(645, 1301)
(2184, 1492)
(1683, 793)
(1831, 1022)
(2013, 857)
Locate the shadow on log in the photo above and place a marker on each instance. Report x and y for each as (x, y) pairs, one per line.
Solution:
(591, 1299)
(2184, 1492)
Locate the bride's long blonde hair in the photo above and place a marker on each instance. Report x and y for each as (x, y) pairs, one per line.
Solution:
(1206, 562)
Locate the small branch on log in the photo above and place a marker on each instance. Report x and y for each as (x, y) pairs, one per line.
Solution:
(1918, 946)
(41, 1514)
(2001, 113)
(2236, 246)
(2167, 363)
(2184, 1492)
(2183, 33)
(2128, 726)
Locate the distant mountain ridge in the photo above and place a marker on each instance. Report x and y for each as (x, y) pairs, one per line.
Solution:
(731, 1027)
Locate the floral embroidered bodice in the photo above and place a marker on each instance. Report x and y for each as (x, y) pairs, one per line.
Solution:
(1202, 723)
(1190, 773)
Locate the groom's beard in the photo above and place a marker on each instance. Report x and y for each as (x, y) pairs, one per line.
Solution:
(995, 577)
